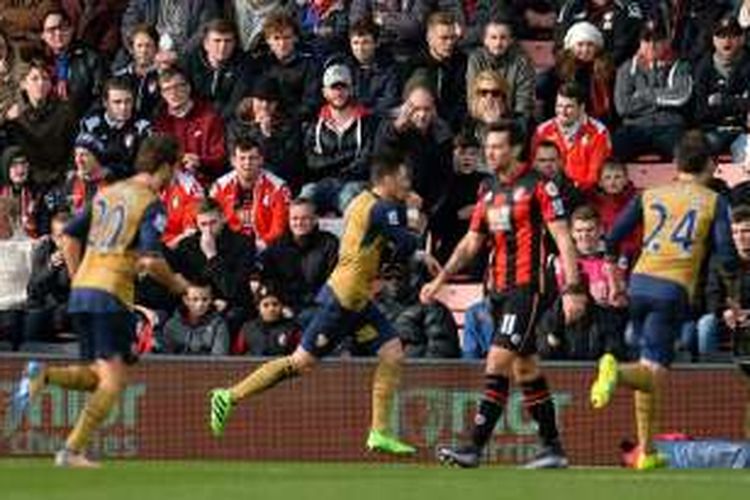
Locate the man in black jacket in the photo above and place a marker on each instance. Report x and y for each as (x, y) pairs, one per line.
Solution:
(722, 86)
(295, 72)
(376, 81)
(216, 67)
(444, 68)
(78, 70)
(425, 140)
(116, 128)
(300, 262)
(224, 258)
(49, 285)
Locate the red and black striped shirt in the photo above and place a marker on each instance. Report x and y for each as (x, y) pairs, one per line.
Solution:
(513, 213)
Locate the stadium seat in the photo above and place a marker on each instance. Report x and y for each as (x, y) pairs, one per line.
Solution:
(458, 297)
(333, 225)
(541, 52)
(645, 175)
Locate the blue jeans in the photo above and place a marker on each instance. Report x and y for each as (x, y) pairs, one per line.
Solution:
(331, 195)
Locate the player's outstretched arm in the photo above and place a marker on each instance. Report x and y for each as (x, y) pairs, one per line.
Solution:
(72, 250)
(465, 251)
(158, 268)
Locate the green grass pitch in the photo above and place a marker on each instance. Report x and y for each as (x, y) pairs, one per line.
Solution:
(137, 480)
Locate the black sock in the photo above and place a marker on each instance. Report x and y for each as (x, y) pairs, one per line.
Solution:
(490, 408)
(538, 401)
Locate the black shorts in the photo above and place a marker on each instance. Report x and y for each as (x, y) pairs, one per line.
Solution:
(106, 335)
(515, 314)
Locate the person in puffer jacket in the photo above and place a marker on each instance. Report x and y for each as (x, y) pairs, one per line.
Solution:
(196, 328)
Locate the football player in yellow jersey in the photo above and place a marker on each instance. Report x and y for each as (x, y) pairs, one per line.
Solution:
(374, 219)
(682, 223)
(122, 235)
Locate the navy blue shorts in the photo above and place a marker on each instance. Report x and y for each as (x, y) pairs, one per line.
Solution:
(332, 323)
(657, 319)
(106, 335)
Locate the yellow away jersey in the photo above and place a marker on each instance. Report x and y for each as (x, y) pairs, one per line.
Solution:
(677, 223)
(109, 263)
(359, 254)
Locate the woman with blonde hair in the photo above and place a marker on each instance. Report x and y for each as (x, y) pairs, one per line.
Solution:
(487, 102)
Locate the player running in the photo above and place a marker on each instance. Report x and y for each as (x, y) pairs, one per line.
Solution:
(512, 212)
(122, 234)
(374, 219)
(681, 222)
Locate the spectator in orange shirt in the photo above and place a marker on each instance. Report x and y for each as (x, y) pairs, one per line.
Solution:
(255, 201)
(583, 141)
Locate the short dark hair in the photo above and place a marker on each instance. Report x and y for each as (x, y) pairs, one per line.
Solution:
(208, 205)
(740, 214)
(279, 21)
(549, 144)
(116, 83)
(201, 281)
(25, 67)
(585, 213)
(220, 25)
(502, 127)
(692, 153)
(363, 27)
(572, 90)
(384, 164)
(245, 143)
(500, 21)
(466, 138)
(303, 201)
(143, 29)
(55, 11)
(155, 151)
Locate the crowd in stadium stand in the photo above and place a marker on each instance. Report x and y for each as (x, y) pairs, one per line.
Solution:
(279, 105)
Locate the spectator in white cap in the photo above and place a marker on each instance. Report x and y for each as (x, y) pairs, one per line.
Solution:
(618, 21)
(337, 144)
(583, 61)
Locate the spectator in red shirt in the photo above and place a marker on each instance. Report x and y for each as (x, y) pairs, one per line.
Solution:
(610, 198)
(181, 199)
(255, 201)
(583, 141)
(196, 125)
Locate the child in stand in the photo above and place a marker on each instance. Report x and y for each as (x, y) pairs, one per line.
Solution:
(602, 326)
(272, 333)
(16, 186)
(196, 327)
(614, 192)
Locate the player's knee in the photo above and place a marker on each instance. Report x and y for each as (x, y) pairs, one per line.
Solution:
(499, 361)
(392, 352)
(526, 369)
(113, 374)
(303, 362)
